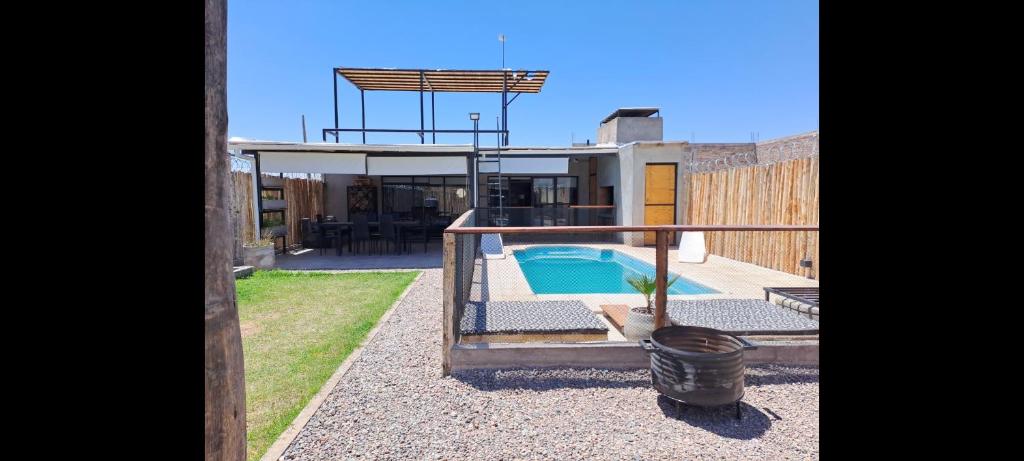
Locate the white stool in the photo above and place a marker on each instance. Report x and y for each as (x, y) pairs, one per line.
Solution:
(691, 247)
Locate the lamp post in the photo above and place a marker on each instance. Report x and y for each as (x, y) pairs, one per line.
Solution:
(475, 117)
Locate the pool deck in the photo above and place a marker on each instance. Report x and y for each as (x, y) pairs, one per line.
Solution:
(503, 280)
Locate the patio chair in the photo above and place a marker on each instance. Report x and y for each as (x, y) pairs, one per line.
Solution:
(329, 237)
(415, 233)
(435, 226)
(387, 231)
(310, 233)
(361, 232)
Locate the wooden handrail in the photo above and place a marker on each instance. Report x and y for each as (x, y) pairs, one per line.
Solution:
(600, 229)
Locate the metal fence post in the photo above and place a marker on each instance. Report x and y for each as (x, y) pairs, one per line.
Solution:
(661, 275)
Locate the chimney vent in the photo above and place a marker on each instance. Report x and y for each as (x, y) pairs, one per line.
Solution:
(629, 124)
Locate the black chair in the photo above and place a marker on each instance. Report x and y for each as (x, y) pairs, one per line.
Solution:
(416, 232)
(330, 236)
(434, 225)
(361, 232)
(310, 233)
(387, 231)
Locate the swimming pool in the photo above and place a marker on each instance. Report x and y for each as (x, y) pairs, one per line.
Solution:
(573, 269)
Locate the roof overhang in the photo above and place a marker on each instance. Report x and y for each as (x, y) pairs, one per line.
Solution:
(408, 159)
(589, 151)
(252, 145)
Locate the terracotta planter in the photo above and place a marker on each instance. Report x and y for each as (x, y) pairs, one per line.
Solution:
(258, 257)
(638, 325)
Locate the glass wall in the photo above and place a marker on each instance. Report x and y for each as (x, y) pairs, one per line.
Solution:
(544, 191)
(406, 197)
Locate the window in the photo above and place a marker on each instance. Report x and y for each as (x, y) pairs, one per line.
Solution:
(536, 191)
(273, 218)
(408, 196)
(543, 191)
(565, 190)
(272, 193)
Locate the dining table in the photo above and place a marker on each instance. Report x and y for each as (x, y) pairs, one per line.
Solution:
(400, 227)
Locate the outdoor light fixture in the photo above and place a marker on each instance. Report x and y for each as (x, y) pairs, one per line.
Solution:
(474, 116)
(806, 263)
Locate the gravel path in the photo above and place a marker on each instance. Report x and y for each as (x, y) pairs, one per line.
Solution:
(393, 404)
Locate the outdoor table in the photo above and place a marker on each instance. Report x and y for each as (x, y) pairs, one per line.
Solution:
(400, 227)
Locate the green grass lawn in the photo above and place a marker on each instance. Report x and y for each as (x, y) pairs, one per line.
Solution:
(297, 328)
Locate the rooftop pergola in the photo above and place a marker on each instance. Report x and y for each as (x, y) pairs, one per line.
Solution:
(434, 81)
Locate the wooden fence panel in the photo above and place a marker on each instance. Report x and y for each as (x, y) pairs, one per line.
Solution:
(241, 211)
(777, 194)
(305, 199)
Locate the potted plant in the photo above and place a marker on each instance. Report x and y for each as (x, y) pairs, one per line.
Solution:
(640, 320)
(259, 253)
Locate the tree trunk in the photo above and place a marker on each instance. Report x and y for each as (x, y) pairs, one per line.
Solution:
(225, 379)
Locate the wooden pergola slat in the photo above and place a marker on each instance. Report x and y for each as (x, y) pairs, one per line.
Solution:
(441, 80)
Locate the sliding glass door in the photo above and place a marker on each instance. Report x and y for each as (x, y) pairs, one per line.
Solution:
(406, 197)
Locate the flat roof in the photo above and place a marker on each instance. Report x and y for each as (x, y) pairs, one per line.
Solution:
(280, 146)
(554, 151)
(632, 112)
(445, 80)
(536, 151)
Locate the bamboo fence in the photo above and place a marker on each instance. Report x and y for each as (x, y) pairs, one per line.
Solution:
(776, 194)
(304, 197)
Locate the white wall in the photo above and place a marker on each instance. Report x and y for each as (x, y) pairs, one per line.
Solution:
(528, 166)
(312, 162)
(637, 157)
(415, 166)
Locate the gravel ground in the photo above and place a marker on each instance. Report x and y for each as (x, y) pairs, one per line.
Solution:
(393, 404)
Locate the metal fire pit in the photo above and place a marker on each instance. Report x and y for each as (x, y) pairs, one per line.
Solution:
(697, 366)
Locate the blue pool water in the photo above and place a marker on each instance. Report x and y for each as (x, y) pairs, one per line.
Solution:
(572, 269)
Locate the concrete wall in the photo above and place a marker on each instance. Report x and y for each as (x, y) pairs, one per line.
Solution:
(640, 155)
(336, 194)
(712, 151)
(633, 159)
(608, 175)
(581, 170)
(775, 150)
(611, 355)
(624, 130)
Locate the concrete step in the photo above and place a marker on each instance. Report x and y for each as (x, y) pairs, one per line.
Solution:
(242, 272)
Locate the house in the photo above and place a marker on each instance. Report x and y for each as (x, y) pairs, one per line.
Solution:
(630, 176)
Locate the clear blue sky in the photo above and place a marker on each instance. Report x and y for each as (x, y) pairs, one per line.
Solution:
(717, 69)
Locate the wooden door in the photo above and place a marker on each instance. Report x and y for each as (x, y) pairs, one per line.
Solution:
(659, 197)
